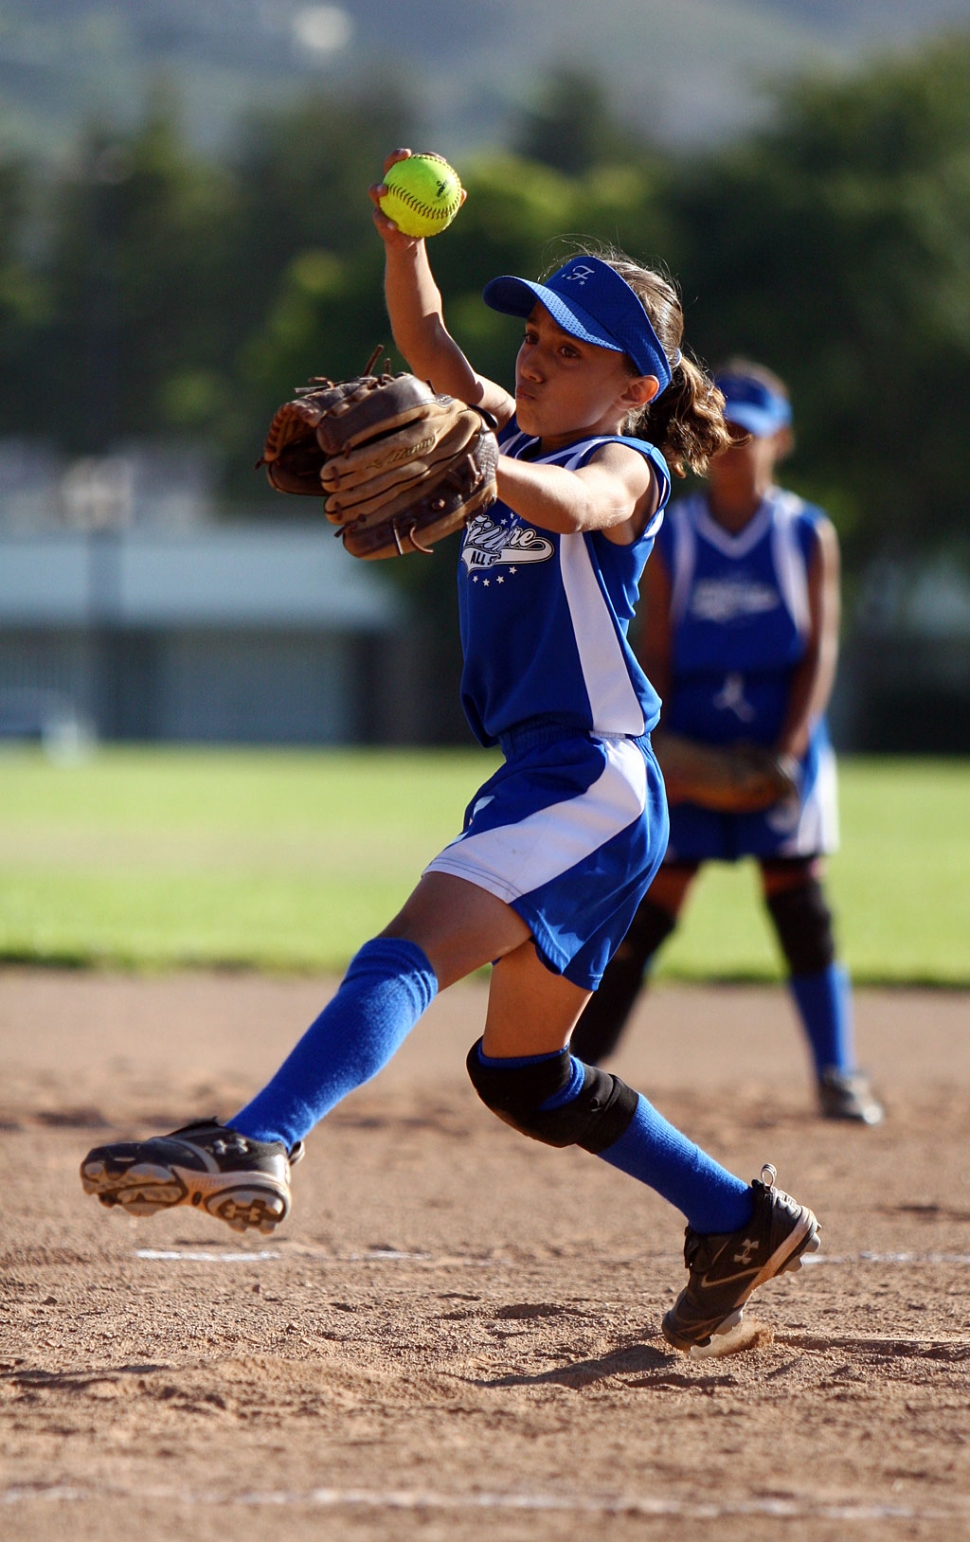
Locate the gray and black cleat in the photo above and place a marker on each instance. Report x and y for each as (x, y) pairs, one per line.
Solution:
(725, 1268)
(849, 1095)
(244, 1182)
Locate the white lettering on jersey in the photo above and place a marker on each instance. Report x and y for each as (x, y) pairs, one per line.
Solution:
(730, 698)
(487, 544)
(725, 599)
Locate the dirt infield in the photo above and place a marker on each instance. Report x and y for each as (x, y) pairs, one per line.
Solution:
(456, 1334)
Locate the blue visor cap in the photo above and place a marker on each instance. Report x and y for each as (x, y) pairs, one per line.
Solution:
(590, 301)
(752, 405)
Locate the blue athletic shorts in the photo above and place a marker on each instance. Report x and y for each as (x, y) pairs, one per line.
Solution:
(570, 832)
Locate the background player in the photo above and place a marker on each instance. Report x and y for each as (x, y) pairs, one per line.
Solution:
(560, 844)
(741, 640)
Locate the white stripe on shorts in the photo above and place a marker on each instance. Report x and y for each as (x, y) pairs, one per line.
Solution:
(514, 859)
(815, 824)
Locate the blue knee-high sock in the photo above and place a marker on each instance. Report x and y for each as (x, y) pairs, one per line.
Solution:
(824, 1003)
(387, 987)
(652, 1150)
(656, 1153)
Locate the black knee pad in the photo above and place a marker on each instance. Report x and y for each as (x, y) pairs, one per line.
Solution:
(803, 922)
(594, 1119)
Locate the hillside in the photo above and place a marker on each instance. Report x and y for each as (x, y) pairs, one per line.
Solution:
(686, 72)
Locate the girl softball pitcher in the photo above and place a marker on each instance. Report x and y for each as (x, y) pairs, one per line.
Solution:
(560, 845)
(741, 639)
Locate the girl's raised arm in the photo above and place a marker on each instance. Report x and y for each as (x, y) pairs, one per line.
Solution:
(416, 312)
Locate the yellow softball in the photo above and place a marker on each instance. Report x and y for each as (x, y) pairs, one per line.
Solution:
(423, 195)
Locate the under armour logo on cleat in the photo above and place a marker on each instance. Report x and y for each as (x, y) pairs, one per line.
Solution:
(222, 1147)
(747, 1253)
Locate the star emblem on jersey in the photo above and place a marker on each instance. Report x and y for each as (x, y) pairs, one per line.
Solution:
(489, 544)
(731, 698)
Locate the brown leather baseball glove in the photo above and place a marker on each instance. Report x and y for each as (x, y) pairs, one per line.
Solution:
(730, 778)
(399, 467)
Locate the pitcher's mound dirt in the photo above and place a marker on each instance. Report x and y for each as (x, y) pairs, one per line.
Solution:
(456, 1334)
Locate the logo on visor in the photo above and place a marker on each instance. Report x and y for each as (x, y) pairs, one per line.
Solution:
(580, 273)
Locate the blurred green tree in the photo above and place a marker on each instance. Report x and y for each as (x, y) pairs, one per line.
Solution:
(138, 330)
(302, 174)
(571, 126)
(176, 295)
(836, 246)
(304, 279)
(24, 300)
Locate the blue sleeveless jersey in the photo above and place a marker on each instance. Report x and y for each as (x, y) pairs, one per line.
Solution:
(544, 617)
(739, 616)
(740, 625)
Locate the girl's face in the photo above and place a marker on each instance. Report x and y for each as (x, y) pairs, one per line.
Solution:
(566, 389)
(749, 461)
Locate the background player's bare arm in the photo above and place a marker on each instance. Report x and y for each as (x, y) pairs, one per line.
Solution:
(653, 647)
(814, 676)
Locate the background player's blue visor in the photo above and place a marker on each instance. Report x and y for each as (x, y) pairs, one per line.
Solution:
(590, 301)
(752, 405)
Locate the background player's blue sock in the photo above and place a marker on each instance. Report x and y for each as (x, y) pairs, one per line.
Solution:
(824, 1002)
(651, 1149)
(387, 987)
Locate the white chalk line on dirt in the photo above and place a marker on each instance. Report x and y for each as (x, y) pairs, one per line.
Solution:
(418, 1499)
(814, 1259)
(166, 1255)
(952, 1349)
(426, 1260)
(265, 1255)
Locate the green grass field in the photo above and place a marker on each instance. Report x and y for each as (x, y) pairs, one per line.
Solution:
(152, 858)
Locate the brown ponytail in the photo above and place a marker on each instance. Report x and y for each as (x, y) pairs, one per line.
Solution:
(686, 422)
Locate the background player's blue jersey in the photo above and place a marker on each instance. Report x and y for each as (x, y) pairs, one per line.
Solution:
(544, 617)
(740, 624)
(739, 616)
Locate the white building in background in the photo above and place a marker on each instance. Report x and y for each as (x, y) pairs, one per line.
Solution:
(125, 608)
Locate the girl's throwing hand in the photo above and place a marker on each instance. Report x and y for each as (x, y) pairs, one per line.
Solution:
(386, 228)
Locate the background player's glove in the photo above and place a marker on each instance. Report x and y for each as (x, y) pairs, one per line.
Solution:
(399, 466)
(731, 778)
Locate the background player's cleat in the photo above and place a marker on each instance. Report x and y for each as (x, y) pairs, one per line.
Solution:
(849, 1095)
(244, 1182)
(725, 1268)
